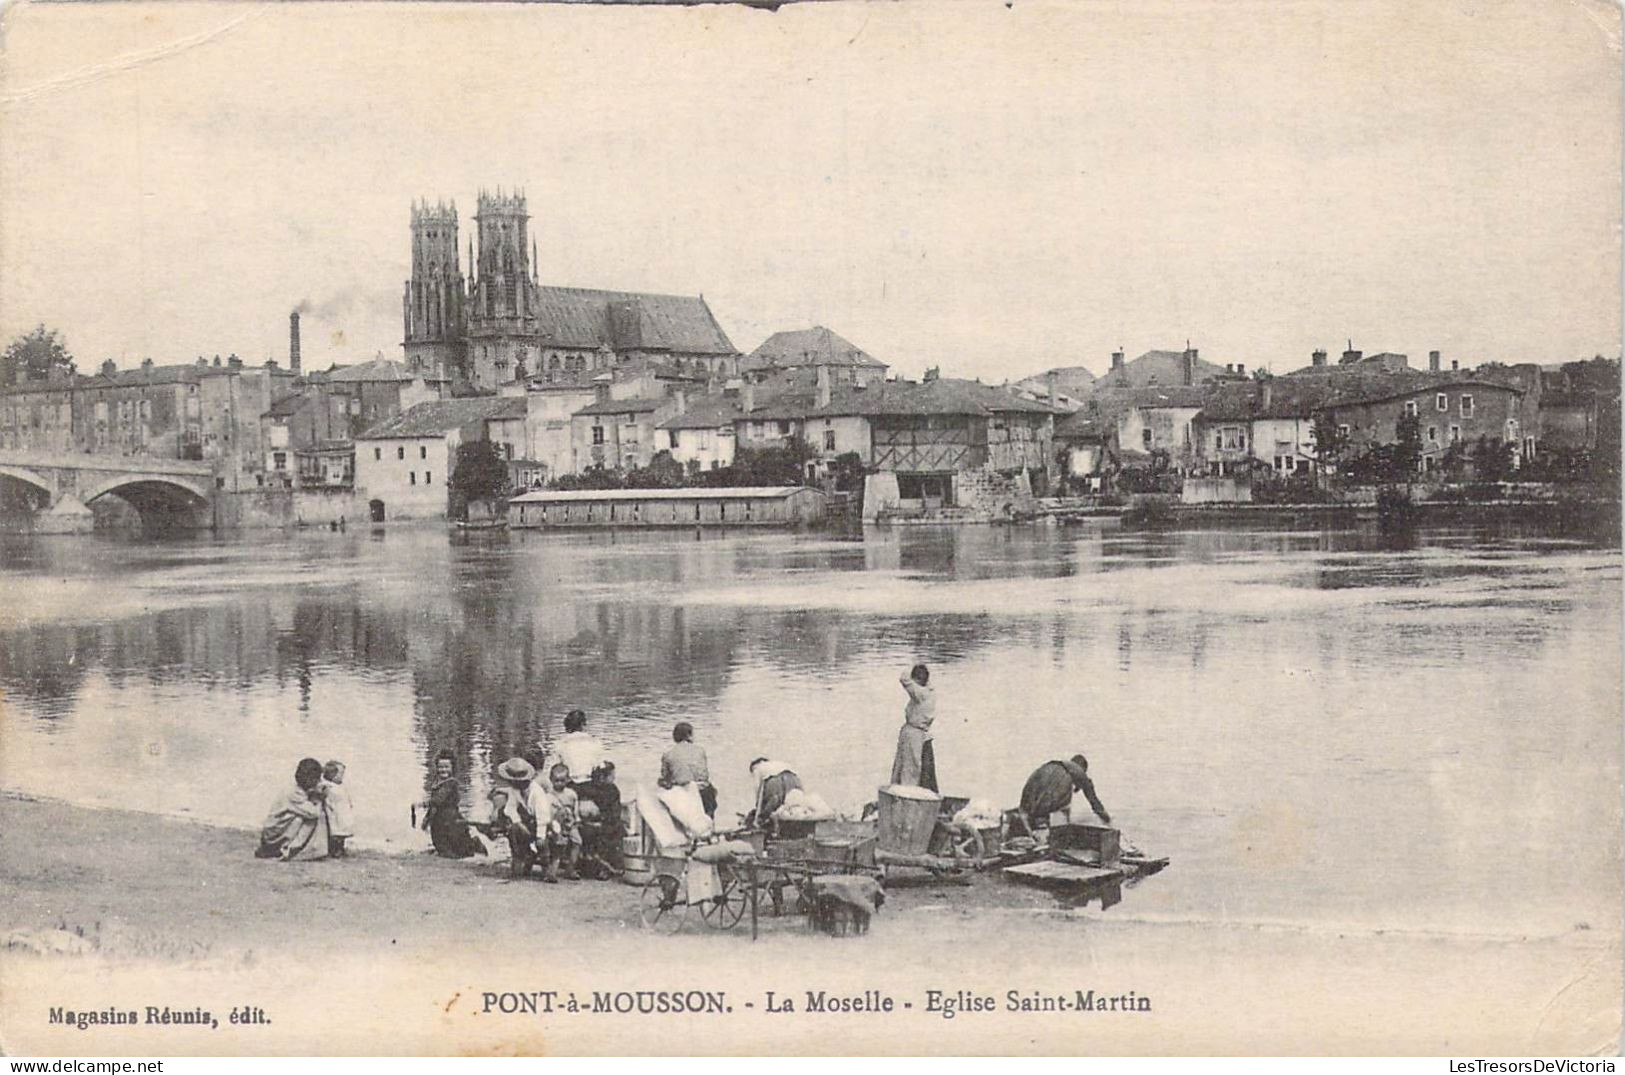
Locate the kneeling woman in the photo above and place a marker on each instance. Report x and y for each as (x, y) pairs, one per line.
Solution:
(443, 815)
(297, 825)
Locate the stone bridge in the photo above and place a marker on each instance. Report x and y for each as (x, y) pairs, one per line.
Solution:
(52, 491)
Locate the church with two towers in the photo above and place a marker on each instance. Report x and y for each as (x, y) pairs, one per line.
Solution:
(499, 323)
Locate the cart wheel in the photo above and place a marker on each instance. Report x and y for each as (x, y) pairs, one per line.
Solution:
(728, 907)
(661, 907)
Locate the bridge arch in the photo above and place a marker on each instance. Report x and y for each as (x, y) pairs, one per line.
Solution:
(160, 484)
(158, 498)
(28, 477)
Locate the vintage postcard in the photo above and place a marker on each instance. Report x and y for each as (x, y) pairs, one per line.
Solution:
(1019, 527)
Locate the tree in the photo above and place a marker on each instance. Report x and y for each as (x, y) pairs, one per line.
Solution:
(1408, 447)
(480, 473)
(32, 357)
(1331, 442)
(1492, 460)
(663, 472)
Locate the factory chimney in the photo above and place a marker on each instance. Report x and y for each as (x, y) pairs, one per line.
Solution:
(293, 342)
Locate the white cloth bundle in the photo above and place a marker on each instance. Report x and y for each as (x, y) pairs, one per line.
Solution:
(801, 805)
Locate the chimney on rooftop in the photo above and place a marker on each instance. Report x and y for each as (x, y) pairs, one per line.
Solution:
(1455, 364)
(146, 363)
(823, 386)
(1117, 360)
(1266, 394)
(1241, 369)
(1050, 384)
(682, 401)
(1351, 355)
(1188, 367)
(1318, 358)
(235, 363)
(293, 342)
(109, 367)
(1433, 361)
(932, 374)
(747, 396)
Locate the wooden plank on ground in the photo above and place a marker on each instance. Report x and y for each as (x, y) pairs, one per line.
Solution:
(1049, 874)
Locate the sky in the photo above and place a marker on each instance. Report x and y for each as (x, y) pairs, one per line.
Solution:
(990, 188)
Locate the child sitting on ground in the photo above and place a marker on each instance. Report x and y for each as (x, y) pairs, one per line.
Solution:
(340, 812)
(563, 832)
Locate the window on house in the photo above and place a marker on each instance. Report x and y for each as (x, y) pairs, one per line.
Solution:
(672, 434)
(1455, 434)
(1410, 408)
(1343, 431)
(400, 452)
(428, 478)
(1441, 402)
(1433, 434)
(829, 440)
(412, 478)
(714, 466)
(1466, 406)
(423, 451)
(784, 429)
(377, 453)
(279, 460)
(598, 434)
(1145, 437)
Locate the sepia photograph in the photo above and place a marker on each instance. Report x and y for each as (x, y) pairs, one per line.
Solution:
(1002, 527)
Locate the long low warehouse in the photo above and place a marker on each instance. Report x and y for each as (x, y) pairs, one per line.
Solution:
(786, 505)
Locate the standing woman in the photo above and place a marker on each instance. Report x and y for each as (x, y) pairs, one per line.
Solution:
(916, 763)
(443, 815)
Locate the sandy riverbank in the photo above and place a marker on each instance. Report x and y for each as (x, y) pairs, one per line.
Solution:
(394, 953)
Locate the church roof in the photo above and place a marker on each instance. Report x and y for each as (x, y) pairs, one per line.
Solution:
(628, 320)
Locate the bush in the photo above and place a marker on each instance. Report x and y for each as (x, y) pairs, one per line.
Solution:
(1293, 489)
(1150, 514)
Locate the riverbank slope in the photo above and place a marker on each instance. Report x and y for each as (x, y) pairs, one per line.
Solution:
(395, 953)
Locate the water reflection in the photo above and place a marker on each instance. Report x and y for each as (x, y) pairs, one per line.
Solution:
(1304, 719)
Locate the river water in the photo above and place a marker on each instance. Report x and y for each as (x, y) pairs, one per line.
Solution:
(1322, 728)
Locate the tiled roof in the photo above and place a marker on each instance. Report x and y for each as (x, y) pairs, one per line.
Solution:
(286, 407)
(1301, 397)
(945, 395)
(1159, 367)
(626, 320)
(709, 413)
(1174, 395)
(510, 407)
(180, 373)
(437, 417)
(1084, 424)
(623, 406)
(380, 369)
(816, 346)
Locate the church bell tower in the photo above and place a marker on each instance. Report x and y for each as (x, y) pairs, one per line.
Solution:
(433, 305)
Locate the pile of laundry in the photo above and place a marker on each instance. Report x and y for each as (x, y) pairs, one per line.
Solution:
(979, 814)
(802, 805)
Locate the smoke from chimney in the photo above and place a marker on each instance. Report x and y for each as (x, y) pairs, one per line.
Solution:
(293, 342)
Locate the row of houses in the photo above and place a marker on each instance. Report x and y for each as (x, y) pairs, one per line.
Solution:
(1236, 424)
(942, 442)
